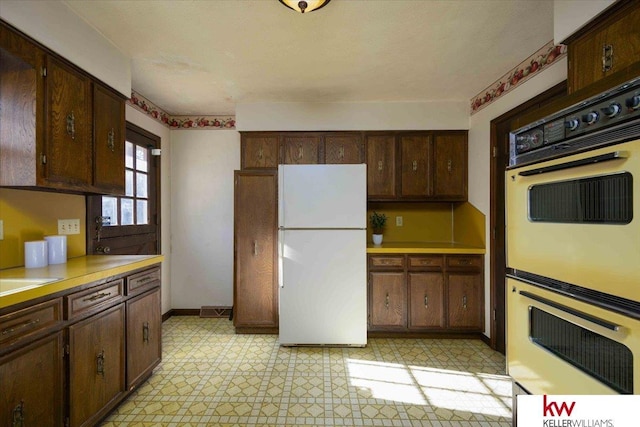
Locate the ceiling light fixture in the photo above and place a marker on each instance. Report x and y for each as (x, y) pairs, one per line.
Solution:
(303, 6)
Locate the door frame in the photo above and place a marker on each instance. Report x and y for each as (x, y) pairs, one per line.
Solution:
(499, 158)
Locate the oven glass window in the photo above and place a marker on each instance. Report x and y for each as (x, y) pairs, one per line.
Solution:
(604, 199)
(602, 358)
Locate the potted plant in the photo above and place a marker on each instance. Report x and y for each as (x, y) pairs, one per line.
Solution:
(377, 223)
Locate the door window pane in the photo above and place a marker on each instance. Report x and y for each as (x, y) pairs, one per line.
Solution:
(128, 183)
(141, 158)
(110, 209)
(142, 215)
(128, 155)
(126, 210)
(141, 185)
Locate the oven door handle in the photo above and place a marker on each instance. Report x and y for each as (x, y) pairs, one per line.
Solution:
(584, 316)
(615, 155)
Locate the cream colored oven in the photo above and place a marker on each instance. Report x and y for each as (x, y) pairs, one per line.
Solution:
(573, 249)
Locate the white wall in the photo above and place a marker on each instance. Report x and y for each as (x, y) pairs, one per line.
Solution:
(142, 120)
(353, 116)
(570, 15)
(52, 24)
(202, 165)
(479, 149)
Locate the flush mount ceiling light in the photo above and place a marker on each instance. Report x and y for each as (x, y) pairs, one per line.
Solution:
(304, 6)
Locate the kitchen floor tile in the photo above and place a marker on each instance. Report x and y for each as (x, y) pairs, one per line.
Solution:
(209, 376)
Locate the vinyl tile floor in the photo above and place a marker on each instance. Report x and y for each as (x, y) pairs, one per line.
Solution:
(209, 376)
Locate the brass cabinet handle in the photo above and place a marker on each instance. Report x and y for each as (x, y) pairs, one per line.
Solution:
(341, 153)
(426, 301)
(97, 296)
(145, 332)
(255, 247)
(103, 249)
(464, 302)
(20, 326)
(380, 165)
(260, 154)
(607, 57)
(300, 152)
(100, 364)
(449, 165)
(386, 301)
(18, 415)
(146, 279)
(415, 165)
(71, 125)
(464, 261)
(111, 140)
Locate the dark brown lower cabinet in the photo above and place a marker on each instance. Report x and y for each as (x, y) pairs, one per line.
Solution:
(96, 365)
(31, 384)
(255, 290)
(144, 336)
(411, 293)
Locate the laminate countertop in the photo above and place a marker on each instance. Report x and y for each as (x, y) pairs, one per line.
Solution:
(21, 284)
(424, 248)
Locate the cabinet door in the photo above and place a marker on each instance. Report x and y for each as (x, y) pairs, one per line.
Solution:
(426, 300)
(108, 137)
(451, 166)
(260, 151)
(388, 301)
(341, 149)
(301, 150)
(466, 302)
(617, 38)
(96, 365)
(31, 380)
(68, 145)
(416, 166)
(255, 249)
(144, 336)
(381, 166)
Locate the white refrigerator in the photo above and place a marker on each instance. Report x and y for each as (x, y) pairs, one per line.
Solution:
(322, 255)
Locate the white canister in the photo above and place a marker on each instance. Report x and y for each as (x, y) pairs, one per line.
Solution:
(57, 249)
(35, 254)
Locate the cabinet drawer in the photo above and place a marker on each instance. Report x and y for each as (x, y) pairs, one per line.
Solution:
(21, 324)
(387, 262)
(464, 261)
(421, 261)
(139, 282)
(95, 298)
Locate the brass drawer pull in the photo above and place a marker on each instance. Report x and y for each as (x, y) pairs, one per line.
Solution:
(341, 153)
(255, 247)
(97, 296)
(607, 57)
(464, 302)
(146, 279)
(100, 364)
(464, 261)
(145, 332)
(386, 301)
(300, 152)
(71, 125)
(21, 326)
(415, 165)
(449, 164)
(260, 154)
(111, 141)
(18, 415)
(380, 166)
(426, 301)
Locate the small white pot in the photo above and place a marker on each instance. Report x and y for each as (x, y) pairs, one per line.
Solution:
(377, 239)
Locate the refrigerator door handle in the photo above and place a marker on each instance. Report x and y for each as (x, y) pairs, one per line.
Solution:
(281, 258)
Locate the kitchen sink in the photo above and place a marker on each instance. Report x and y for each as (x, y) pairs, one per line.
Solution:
(10, 286)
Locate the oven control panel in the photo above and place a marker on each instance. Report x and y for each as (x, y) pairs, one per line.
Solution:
(586, 125)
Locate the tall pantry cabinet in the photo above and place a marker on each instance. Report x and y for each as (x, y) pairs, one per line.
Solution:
(255, 293)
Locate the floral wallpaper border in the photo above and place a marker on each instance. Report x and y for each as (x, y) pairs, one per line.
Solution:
(545, 56)
(180, 122)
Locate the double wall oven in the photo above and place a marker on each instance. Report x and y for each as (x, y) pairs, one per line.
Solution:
(573, 248)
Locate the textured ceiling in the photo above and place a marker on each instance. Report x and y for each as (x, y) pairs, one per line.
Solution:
(204, 57)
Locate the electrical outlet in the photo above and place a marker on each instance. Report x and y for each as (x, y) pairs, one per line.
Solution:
(1, 230)
(68, 226)
(399, 221)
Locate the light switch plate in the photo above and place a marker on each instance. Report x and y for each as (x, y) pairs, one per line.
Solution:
(1, 229)
(68, 226)
(399, 221)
